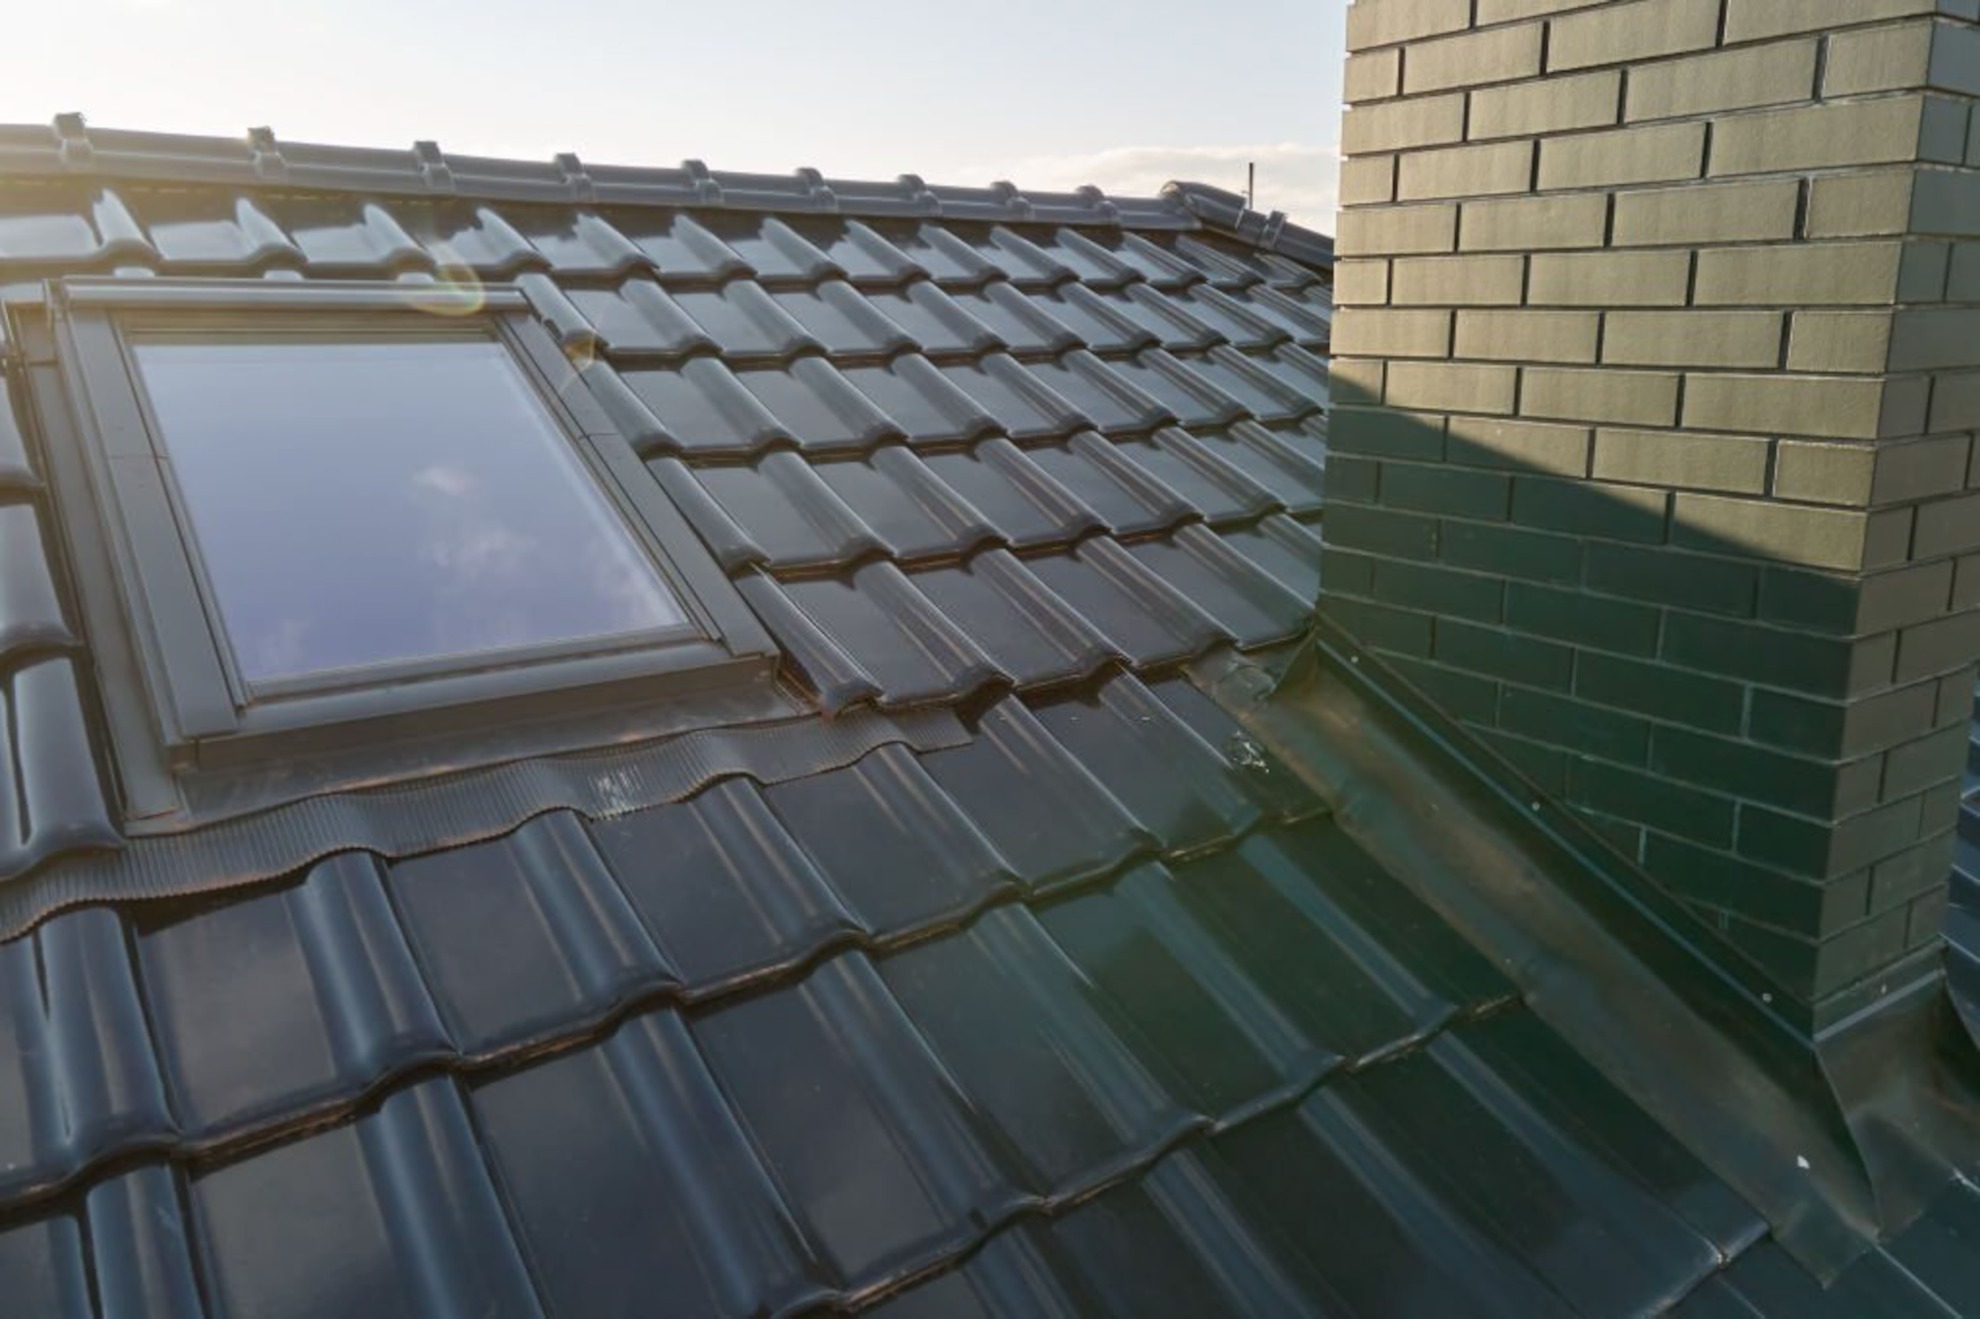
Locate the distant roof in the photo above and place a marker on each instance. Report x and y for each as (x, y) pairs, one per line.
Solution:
(1087, 1006)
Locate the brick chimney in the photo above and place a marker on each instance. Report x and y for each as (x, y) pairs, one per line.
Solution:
(1656, 372)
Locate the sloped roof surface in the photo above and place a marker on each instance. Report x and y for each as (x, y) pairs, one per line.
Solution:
(1095, 1013)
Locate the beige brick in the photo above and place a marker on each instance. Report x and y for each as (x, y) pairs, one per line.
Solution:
(1523, 446)
(1356, 380)
(1504, 11)
(1683, 460)
(1527, 336)
(1831, 407)
(1361, 283)
(1373, 75)
(1452, 387)
(1380, 22)
(1815, 275)
(1787, 533)
(1635, 155)
(1398, 125)
(1754, 20)
(1461, 281)
(1557, 105)
(1366, 179)
(1498, 55)
(1860, 205)
(1840, 342)
(1610, 279)
(1749, 339)
(1534, 223)
(1362, 332)
(1819, 137)
(1397, 230)
(1503, 167)
(1718, 213)
(1623, 398)
(1616, 34)
(1885, 59)
(1732, 80)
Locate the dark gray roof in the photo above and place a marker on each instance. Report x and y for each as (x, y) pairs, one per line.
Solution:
(1096, 1011)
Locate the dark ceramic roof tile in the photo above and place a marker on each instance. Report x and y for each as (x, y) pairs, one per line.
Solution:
(1025, 261)
(51, 798)
(139, 1246)
(1182, 790)
(1308, 323)
(656, 1197)
(910, 1169)
(543, 906)
(350, 237)
(894, 846)
(1225, 266)
(835, 677)
(1122, 494)
(44, 1271)
(30, 612)
(1409, 1253)
(1046, 813)
(290, 1000)
(725, 890)
(910, 510)
(1247, 602)
(1039, 1049)
(845, 321)
(1199, 475)
(1270, 782)
(1096, 321)
(745, 321)
(1302, 376)
(1107, 401)
(476, 238)
(1175, 383)
(788, 517)
(579, 243)
(1015, 321)
(1022, 1274)
(69, 226)
(820, 407)
(892, 633)
(1025, 505)
(1032, 636)
(777, 253)
(933, 250)
(1022, 405)
(196, 230)
(1146, 619)
(1095, 265)
(1233, 319)
(340, 1211)
(1290, 464)
(679, 247)
(1157, 263)
(637, 317)
(86, 1085)
(921, 401)
(867, 256)
(1175, 1242)
(1284, 550)
(1165, 318)
(15, 472)
(1262, 384)
(1766, 1282)
(1193, 1006)
(701, 408)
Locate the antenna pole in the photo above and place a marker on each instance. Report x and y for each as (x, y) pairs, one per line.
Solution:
(1251, 186)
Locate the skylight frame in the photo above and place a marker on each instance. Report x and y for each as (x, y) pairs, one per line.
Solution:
(174, 699)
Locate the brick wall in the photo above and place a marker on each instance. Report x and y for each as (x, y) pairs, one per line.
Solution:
(1656, 380)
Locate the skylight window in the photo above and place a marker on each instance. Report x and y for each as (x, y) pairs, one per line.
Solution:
(388, 500)
(311, 519)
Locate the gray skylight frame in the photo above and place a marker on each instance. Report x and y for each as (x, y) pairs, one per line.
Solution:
(172, 699)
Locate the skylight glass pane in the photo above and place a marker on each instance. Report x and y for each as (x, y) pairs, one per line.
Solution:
(370, 501)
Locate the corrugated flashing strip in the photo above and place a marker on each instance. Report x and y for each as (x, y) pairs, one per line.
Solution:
(463, 808)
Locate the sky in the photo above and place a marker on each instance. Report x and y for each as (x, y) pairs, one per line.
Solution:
(1050, 94)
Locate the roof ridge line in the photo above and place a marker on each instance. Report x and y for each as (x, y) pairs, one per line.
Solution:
(1226, 213)
(68, 148)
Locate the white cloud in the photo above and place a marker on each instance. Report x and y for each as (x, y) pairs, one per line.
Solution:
(1293, 177)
